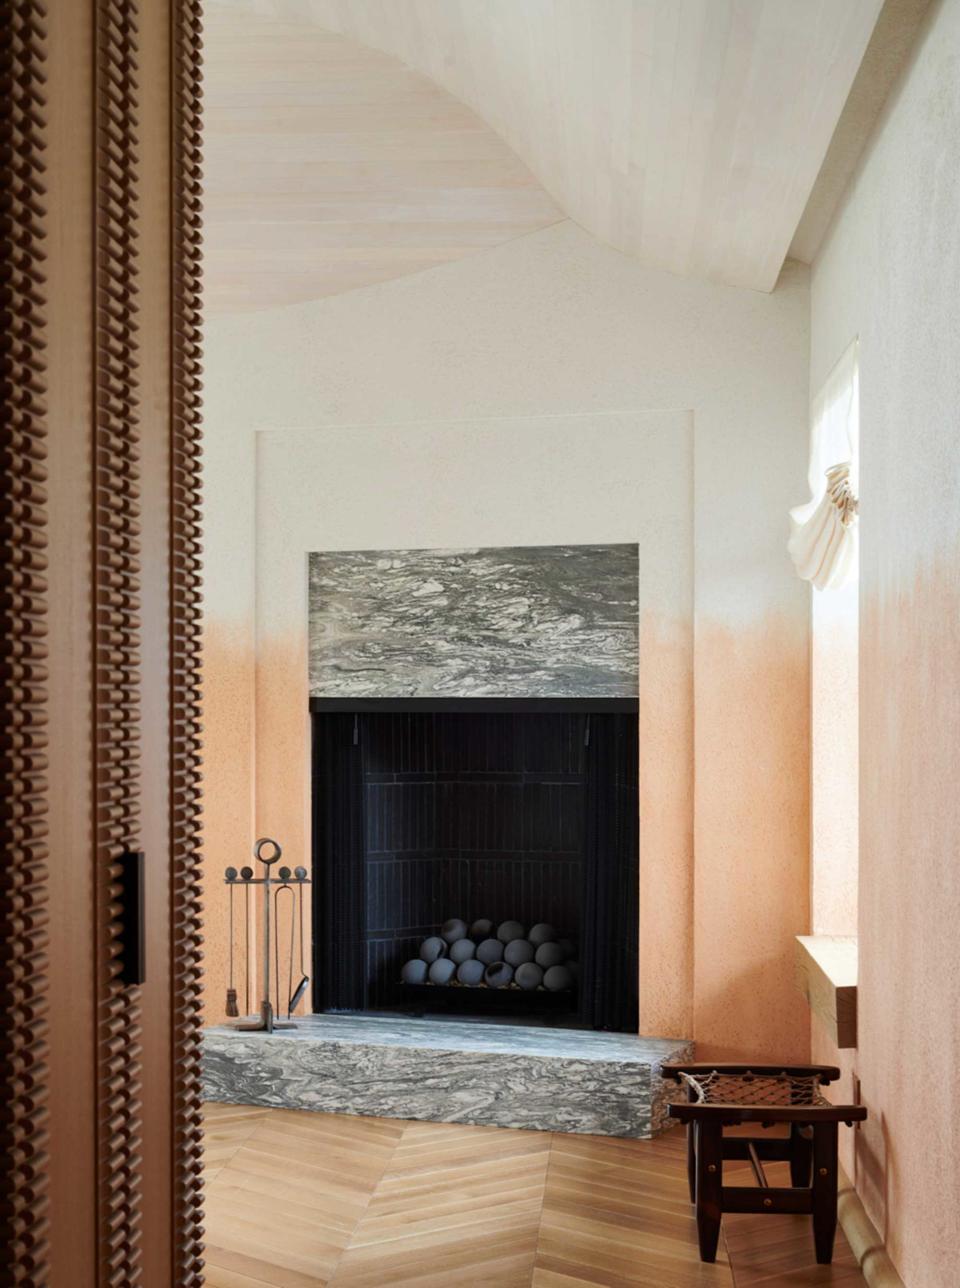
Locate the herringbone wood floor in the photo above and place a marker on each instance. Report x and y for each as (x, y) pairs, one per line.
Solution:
(300, 1200)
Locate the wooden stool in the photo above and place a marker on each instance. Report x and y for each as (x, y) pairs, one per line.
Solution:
(723, 1095)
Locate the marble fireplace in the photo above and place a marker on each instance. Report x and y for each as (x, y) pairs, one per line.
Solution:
(474, 736)
(475, 755)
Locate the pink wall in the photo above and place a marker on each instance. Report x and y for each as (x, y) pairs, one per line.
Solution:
(228, 776)
(890, 274)
(549, 326)
(908, 1160)
(751, 840)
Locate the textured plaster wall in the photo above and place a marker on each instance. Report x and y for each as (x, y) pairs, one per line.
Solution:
(834, 813)
(530, 481)
(555, 324)
(835, 758)
(890, 273)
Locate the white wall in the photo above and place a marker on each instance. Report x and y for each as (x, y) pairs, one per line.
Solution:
(889, 273)
(523, 481)
(554, 324)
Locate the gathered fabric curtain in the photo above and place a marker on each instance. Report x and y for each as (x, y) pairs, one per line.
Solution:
(824, 532)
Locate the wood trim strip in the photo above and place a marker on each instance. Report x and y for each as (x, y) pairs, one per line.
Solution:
(117, 625)
(865, 1242)
(24, 804)
(185, 628)
(826, 968)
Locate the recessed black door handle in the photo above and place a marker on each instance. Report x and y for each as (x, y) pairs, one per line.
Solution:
(132, 924)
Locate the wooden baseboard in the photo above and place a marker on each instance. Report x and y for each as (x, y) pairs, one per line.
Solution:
(865, 1243)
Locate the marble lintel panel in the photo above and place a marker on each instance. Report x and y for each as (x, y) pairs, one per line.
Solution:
(512, 621)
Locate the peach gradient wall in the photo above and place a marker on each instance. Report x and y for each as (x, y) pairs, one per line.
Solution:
(890, 274)
(528, 481)
(550, 325)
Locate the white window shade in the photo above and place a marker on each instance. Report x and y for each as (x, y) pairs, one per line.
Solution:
(824, 535)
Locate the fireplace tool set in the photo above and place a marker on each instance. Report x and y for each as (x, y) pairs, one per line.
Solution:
(282, 897)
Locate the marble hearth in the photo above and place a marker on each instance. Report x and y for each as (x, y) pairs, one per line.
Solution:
(500, 1075)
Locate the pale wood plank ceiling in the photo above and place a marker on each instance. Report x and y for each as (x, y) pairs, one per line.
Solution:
(686, 133)
(331, 166)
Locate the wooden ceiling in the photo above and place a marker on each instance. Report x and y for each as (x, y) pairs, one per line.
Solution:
(687, 133)
(331, 166)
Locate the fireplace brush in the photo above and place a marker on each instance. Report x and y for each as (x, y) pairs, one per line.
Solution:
(267, 852)
(298, 992)
(284, 875)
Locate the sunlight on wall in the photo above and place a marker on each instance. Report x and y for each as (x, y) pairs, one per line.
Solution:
(834, 680)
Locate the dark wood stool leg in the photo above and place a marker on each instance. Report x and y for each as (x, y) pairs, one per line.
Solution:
(801, 1154)
(709, 1182)
(692, 1160)
(824, 1190)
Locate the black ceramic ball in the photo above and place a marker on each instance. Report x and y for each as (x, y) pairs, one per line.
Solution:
(246, 873)
(432, 948)
(442, 971)
(231, 874)
(283, 874)
(507, 931)
(414, 972)
(529, 975)
(470, 972)
(300, 873)
(518, 951)
(462, 950)
(549, 955)
(541, 933)
(557, 978)
(481, 929)
(498, 975)
(453, 930)
(491, 950)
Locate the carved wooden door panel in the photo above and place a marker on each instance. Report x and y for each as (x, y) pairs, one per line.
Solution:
(99, 425)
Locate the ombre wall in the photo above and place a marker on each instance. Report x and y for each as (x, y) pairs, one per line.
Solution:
(890, 274)
(477, 403)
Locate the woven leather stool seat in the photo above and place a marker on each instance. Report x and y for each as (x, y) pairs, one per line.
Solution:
(725, 1095)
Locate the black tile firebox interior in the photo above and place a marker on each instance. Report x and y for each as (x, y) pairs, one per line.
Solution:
(466, 819)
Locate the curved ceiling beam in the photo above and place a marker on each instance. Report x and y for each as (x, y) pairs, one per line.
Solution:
(330, 166)
(687, 133)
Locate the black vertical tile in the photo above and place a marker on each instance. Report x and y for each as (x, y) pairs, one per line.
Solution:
(476, 815)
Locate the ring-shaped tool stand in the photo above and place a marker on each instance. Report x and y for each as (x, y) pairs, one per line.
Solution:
(266, 851)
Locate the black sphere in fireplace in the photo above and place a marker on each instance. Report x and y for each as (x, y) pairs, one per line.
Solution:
(486, 954)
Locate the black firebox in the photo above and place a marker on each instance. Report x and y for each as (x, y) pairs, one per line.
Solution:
(513, 809)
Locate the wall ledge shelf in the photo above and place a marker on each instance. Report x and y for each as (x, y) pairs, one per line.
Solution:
(827, 977)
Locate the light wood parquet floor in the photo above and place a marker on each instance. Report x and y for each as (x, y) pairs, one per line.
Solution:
(301, 1200)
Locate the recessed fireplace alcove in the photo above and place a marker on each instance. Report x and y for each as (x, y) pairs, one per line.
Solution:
(475, 755)
(522, 809)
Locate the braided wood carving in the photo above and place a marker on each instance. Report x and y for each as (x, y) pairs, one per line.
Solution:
(116, 540)
(185, 643)
(24, 1213)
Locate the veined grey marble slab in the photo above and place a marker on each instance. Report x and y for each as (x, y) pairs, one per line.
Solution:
(492, 1075)
(511, 621)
